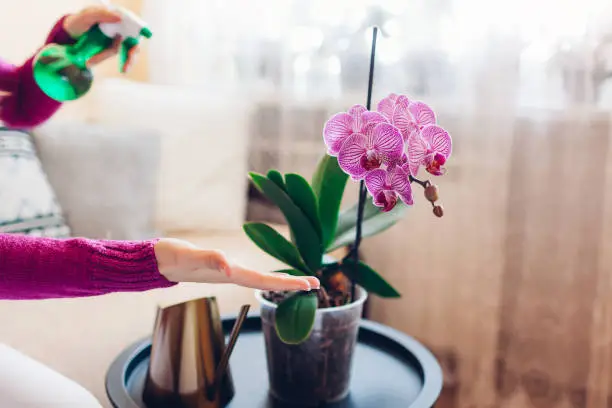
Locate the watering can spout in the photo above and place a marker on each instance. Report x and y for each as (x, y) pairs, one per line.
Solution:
(223, 364)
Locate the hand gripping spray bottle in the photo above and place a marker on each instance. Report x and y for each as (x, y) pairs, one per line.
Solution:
(61, 70)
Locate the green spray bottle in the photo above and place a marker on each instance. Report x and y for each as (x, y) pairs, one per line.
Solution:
(61, 71)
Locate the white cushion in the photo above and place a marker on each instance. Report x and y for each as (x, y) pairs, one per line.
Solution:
(104, 177)
(202, 176)
(28, 204)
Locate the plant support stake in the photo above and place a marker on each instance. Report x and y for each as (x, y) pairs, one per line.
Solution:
(362, 188)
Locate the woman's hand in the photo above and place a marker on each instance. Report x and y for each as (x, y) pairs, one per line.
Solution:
(181, 261)
(78, 24)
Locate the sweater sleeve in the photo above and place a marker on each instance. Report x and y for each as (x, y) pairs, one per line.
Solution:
(23, 104)
(42, 268)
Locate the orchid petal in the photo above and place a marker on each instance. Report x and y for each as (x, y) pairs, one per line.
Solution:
(438, 139)
(399, 181)
(373, 117)
(386, 186)
(403, 120)
(422, 114)
(370, 120)
(407, 170)
(417, 152)
(387, 140)
(376, 200)
(375, 181)
(402, 100)
(349, 157)
(387, 105)
(357, 122)
(411, 129)
(357, 110)
(337, 129)
(387, 200)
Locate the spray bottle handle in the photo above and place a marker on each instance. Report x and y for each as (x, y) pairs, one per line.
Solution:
(128, 46)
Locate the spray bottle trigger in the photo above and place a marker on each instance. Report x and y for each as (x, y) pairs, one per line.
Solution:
(127, 47)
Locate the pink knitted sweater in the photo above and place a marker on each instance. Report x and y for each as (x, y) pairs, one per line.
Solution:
(39, 268)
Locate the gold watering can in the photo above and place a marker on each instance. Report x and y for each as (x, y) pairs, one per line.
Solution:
(189, 357)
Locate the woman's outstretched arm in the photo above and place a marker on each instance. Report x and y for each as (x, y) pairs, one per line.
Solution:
(43, 268)
(39, 268)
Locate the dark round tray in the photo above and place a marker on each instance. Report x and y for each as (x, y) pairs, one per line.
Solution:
(390, 370)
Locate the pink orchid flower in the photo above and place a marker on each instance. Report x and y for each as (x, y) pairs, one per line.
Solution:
(387, 105)
(386, 185)
(342, 125)
(431, 148)
(362, 153)
(410, 117)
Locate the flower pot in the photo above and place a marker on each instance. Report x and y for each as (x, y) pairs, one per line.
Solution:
(319, 369)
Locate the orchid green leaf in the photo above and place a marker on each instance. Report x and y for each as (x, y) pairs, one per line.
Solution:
(328, 183)
(277, 178)
(368, 279)
(293, 272)
(374, 222)
(303, 233)
(302, 195)
(348, 217)
(274, 244)
(295, 317)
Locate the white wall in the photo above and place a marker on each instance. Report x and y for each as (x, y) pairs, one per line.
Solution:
(24, 24)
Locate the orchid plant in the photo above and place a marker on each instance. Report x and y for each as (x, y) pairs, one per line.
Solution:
(384, 150)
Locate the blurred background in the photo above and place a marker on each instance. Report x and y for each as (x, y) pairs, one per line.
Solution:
(512, 289)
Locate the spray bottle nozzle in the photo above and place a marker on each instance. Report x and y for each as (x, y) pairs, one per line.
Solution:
(145, 32)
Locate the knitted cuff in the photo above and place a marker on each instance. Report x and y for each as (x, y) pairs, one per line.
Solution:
(125, 266)
(59, 35)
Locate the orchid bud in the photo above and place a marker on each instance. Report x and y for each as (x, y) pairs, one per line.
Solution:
(438, 211)
(431, 193)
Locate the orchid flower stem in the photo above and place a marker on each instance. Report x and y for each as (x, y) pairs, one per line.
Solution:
(362, 188)
(371, 73)
(423, 184)
(363, 194)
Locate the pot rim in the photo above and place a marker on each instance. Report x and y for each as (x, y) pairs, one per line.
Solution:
(363, 295)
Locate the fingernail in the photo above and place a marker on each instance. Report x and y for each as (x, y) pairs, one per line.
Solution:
(314, 282)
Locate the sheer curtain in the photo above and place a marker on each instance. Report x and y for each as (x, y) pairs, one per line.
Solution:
(317, 48)
(299, 60)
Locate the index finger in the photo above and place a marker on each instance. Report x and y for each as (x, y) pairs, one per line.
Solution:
(271, 281)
